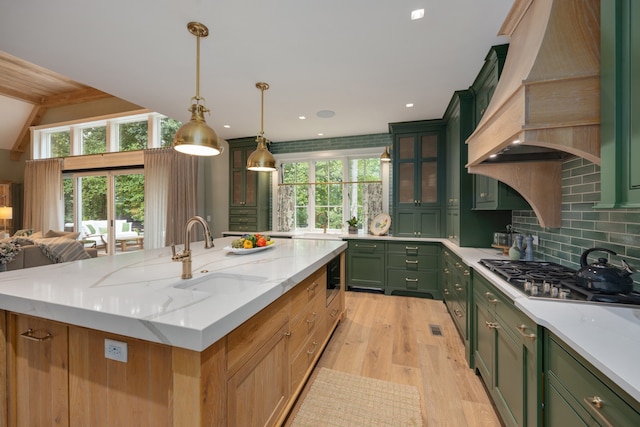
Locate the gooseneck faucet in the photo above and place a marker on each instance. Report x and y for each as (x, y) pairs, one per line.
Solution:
(185, 255)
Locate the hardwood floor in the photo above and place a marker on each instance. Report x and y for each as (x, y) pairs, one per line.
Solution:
(389, 338)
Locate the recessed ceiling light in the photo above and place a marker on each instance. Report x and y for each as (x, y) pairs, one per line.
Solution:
(409, 105)
(320, 134)
(301, 117)
(417, 14)
(325, 114)
(516, 141)
(493, 156)
(226, 126)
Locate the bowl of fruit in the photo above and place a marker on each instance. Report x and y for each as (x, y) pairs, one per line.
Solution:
(250, 243)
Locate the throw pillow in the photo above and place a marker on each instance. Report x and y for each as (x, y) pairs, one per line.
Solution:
(24, 232)
(126, 226)
(92, 229)
(68, 234)
(37, 235)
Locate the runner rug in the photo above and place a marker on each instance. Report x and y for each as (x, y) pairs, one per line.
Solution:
(337, 399)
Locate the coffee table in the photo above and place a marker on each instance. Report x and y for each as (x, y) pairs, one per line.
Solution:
(131, 242)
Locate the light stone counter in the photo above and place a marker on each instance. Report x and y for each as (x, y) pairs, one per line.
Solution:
(140, 294)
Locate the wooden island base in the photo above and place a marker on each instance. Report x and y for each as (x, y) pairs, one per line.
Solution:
(252, 376)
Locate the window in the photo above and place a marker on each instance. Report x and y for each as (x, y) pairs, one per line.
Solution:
(110, 134)
(330, 189)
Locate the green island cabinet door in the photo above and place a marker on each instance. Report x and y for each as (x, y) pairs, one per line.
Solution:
(418, 178)
(507, 349)
(620, 103)
(249, 191)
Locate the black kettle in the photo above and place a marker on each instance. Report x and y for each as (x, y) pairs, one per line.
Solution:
(604, 277)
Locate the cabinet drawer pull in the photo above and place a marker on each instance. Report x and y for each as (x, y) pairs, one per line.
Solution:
(334, 312)
(523, 331)
(457, 312)
(287, 334)
(466, 273)
(445, 270)
(458, 288)
(492, 325)
(445, 291)
(491, 300)
(30, 335)
(408, 261)
(411, 248)
(315, 347)
(312, 287)
(408, 279)
(310, 321)
(595, 403)
(366, 246)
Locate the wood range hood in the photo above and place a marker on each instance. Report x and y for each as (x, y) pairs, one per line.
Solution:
(547, 98)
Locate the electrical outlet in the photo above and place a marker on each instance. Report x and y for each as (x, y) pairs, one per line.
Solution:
(115, 350)
(536, 241)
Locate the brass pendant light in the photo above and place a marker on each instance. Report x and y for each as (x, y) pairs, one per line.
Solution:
(261, 159)
(196, 137)
(385, 157)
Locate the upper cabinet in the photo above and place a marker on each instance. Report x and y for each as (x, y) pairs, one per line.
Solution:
(249, 191)
(620, 129)
(491, 194)
(418, 177)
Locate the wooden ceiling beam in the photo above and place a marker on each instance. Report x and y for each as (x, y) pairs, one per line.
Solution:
(76, 97)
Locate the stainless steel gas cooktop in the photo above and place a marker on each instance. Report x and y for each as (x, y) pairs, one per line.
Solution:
(541, 279)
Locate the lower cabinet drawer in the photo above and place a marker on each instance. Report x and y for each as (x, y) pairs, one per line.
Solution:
(411, 248)
(301, 361)
(412, 280)
(249, 220)
(587, 390)
(304, 325)
(411, 262)
(243, 211)
(459, 316)
(333, 312)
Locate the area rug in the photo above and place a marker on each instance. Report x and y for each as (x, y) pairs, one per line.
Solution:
(337, 399)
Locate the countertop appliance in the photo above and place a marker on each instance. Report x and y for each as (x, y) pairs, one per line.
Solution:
(541, 279)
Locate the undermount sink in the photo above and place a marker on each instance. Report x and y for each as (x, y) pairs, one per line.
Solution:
(221, 283)
(323, 236)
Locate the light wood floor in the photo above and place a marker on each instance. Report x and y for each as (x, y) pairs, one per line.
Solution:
(389, 338)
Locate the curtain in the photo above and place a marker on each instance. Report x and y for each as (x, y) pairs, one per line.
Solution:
(44, 196)
(286, 208)
(372, 203)
(157, 174)
(170, 195)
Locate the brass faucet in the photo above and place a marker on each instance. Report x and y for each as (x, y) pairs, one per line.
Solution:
(185, 255)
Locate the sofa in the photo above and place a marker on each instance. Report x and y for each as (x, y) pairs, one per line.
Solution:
(32, 256)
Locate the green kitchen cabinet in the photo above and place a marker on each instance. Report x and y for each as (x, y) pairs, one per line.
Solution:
(478, 225)
(507, 353)
(456, 290)
(413, 268)
(491, 194)
(366, 264)
(619, 104)
(576, 393)
(249, 191)
(418, 178)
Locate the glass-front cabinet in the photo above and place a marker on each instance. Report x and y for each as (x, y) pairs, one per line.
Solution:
(418, 167)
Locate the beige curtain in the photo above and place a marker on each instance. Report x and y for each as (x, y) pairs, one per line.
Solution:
(170, 195)
(43, 195)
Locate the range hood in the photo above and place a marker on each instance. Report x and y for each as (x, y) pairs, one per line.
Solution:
(546, 105)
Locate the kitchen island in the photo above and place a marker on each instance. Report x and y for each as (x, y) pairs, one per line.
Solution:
(195, 348)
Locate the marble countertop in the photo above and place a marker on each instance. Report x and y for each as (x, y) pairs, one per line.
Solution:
(141, 295)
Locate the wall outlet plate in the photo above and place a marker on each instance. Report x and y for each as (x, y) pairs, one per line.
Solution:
(115, 350)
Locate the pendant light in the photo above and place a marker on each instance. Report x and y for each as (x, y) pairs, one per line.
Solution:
(196, 137)
(261, 160)
(385, 157)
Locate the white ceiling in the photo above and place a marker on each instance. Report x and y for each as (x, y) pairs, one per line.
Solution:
(362, 59)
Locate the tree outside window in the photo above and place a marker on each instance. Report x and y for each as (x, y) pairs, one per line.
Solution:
(59, 143)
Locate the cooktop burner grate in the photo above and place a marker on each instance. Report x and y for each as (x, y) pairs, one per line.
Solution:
(541, 279)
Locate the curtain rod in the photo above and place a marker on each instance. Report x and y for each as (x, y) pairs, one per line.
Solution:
(334, 182)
